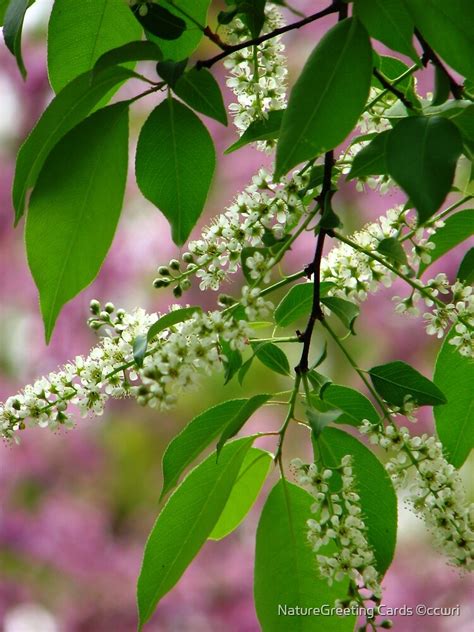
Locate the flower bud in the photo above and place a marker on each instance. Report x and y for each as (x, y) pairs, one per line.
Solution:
(188, 257)
(109, 308)
(94, 307)
(163, 270)
(185, 284)
(177, 291)
(174, 264)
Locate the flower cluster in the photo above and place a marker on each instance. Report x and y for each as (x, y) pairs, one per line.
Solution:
(173, 363)
(339, 520)
(257, 74)
(435, 492)
(356, 274)
(263, 209)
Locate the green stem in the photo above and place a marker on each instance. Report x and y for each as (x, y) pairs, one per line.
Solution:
(395, 82)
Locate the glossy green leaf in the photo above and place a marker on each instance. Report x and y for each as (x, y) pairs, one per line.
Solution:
(377, 496)
(397, 380)
(392, 249)
(185, 523)
(447, 27)
(81, 32)
(390, 22)
(252, 13)
(456, 229)
(12, 30)
(170, 71)
(131, 52)
(442, 87)
(319, 419)
(253, 473)
(200, 432)
(318, 381)
(297, 303)
(355, 406)
(232, 359)
(422, 154)
(65, 111)
(175, 163)
(370, 160)
(200, 90)
(466, 269)
(454, 373)
(393, 68)
(346, 311)
(273, 357)
(328, 97)
(159, 21)
(75, 208)
(286, 573)
(185, 45)
(172, 318)
(236, 423)
(261, 129)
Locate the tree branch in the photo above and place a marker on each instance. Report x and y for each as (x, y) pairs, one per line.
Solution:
(207, 63)
(315, 268)
(430, 55)
(391, 88)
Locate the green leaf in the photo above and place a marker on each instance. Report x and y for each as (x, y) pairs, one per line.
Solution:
(454, 373)
(286, 574)
(81, 32)
(442, 87)
(200, 432)
(232, 359)
(133, 51)
(12, 30)
(261, 129)
(392, 68)
(318, 381)
(237, 423)
(466, 269)
(249, 482)
(370, 161)
(159, 21)
(393, 250)
(170, 71)
(297, 303)
(456, 229)
(447, 27)
(175, 163)
(346, 311)
(252, 13)
(185, 45)
(397, 380)
(273, 357)
(328, 97)
(377, 496)
(422, 154)
(64, 112)
(75, 208)
(319, 419)
(390, 23)
(185, 523)
(200, 90)
(355, 406)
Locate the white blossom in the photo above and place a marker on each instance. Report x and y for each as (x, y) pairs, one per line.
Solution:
(339, 519)
(435, 491)
(257, 76)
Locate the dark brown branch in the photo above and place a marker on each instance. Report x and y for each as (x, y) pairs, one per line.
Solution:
(315, 268)
(207, 63)
(430, 56)
(388, 86)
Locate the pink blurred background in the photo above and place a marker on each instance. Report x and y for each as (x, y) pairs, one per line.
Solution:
(76, 507)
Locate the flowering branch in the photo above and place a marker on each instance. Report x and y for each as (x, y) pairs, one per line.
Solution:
(208, 63)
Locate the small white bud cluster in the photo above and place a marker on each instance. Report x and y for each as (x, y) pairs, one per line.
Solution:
(174, 360)
(435, 492)
(257, 74)
(339, 520)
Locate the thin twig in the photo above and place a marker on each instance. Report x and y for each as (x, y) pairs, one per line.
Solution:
(391, 88)
(207, 63)
(430, 55)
